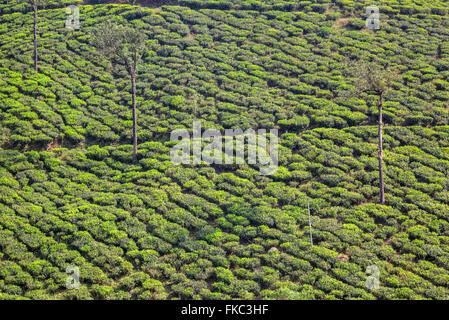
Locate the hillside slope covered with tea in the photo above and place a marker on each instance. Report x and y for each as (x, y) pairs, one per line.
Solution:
(71, 194)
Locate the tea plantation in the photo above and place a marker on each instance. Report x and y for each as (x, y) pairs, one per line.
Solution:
(72, 195)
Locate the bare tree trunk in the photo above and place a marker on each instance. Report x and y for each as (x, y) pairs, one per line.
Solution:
(35, 38)
(133, 80)
(381, 170)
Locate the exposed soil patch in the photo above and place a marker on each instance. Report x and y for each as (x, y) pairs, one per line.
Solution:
(343, 257)
(340, 23)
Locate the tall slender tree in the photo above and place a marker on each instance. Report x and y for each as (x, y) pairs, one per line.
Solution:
(36, 4)
(126, 46)
(372, 78)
